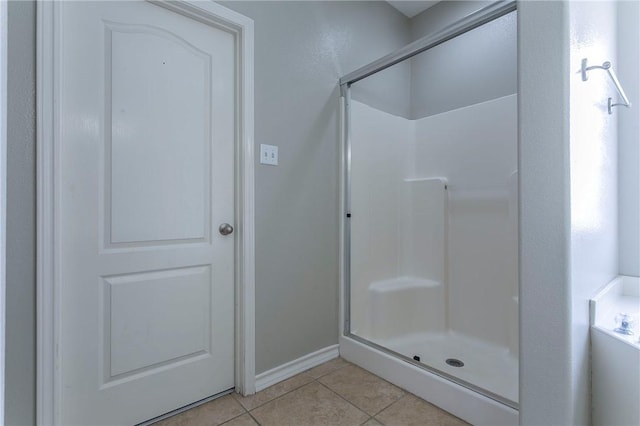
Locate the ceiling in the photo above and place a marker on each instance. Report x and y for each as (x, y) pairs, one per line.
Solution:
(412, 8)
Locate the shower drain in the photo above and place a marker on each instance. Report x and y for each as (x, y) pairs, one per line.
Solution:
(454, 362)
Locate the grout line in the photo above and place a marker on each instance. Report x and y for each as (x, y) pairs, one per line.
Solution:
(235, 417)
(237, 397)
(279, 396)
(380, 411)
(272, 399)
(366, 421)
(347, 363)
(343, 398)
(397, 400)
(317, 380)
(404, 391)
(296, 388)
(254, 419)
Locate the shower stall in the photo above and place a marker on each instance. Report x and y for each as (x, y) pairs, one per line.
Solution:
(430, 217)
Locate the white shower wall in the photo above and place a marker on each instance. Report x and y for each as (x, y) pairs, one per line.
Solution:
(379, 140)
(434, 209)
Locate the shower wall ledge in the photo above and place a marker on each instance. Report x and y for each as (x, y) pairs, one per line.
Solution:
(405, 305)
(621, 295)
(402, 283)
(615, 359)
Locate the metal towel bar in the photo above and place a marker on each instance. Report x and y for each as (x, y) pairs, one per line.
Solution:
(607, 67)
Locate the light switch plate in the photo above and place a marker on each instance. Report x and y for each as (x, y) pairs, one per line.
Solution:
(269, 154)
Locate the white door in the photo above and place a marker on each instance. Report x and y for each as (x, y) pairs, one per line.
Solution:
(148, 120)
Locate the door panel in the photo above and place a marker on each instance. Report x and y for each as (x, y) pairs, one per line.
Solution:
(146, 322)
(149, 105)
(148, 118)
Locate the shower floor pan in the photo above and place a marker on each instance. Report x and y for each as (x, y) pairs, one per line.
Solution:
(487, 366)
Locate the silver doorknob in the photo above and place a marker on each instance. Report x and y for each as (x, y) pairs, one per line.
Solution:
(225, 229)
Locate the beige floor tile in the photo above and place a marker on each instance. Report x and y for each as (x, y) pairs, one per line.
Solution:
(327, 367)
(243, 420)
(212, 413)
(413, 411)
(311, 405)
(363, 389)
(372, 422)
(270, 393)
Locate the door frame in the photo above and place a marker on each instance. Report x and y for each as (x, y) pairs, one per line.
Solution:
(48, 147)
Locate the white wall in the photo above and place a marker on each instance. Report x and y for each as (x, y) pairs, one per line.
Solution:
(442, 14)
(594, 181)
(545, 296)
(379, 150)
(568, 193)
(424, 211)
(627, 67)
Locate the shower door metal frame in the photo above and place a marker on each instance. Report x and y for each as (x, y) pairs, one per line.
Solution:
(466, 24)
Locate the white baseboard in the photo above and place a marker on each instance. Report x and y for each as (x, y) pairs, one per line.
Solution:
(291, 368)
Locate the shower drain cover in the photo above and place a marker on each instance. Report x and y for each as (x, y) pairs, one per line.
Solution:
(454, 362)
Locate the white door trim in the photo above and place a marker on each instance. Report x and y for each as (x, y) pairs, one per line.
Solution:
(48, 79)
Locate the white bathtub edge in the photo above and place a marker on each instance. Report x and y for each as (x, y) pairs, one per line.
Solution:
(459, 401)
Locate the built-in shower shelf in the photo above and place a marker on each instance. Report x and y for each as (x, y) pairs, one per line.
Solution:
(402, 283)
(442, 180)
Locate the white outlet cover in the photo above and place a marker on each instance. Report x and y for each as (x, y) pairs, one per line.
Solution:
(269, 154)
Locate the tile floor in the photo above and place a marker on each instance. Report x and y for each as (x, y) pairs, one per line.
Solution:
(335, 393)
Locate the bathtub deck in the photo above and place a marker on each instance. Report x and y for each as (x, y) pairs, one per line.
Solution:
(487, 366)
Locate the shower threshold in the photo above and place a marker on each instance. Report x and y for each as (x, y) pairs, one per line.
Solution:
(486, 366)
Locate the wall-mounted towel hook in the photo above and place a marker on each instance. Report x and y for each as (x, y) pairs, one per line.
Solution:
(607, 67)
